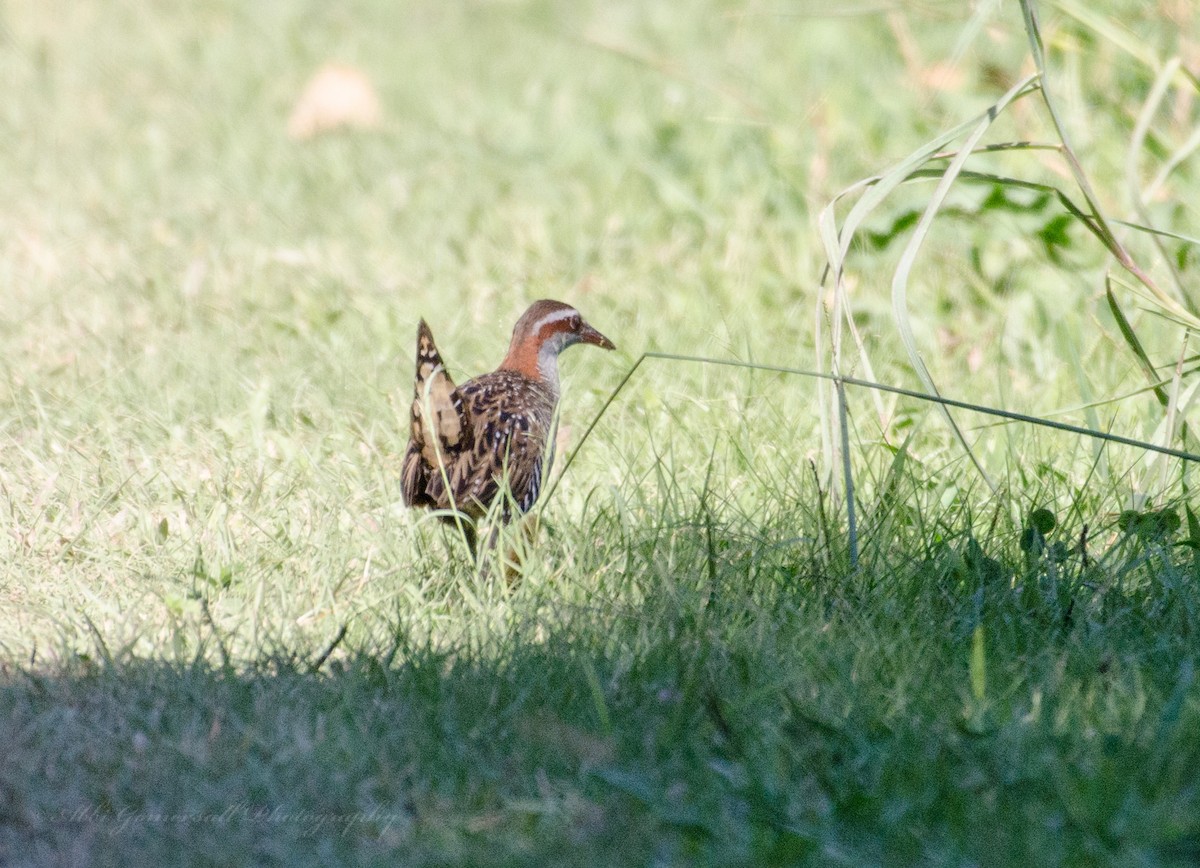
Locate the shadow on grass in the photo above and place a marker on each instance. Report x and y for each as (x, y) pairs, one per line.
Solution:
(963, 707)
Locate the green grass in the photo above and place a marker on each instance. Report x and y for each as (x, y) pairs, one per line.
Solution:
(222, 638)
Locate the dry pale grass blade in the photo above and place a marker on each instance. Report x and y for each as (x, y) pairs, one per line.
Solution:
(875, 190)
(1100, 223)
(1162, 83)
(1137, 196)
(1110, 30)
(984, 12)
(1165, 233)
(836, 239)
(1178, 306)
(336, 97)
(1182, 153)
(909, 256)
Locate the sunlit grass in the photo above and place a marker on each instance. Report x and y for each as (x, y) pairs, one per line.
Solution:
(214, 604)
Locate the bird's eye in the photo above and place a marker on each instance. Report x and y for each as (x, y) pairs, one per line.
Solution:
(576, 322)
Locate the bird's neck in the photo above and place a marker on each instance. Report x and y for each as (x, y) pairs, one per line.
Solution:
(537, 361)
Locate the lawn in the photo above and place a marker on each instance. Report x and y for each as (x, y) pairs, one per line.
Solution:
(224, 640)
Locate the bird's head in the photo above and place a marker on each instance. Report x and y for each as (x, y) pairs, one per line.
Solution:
(543, 331)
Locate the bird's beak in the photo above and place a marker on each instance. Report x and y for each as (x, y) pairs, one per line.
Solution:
(589, 335)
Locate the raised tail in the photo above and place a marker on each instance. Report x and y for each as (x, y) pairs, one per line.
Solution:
(441, 425)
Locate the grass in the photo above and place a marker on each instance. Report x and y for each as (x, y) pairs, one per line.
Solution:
(223, 640)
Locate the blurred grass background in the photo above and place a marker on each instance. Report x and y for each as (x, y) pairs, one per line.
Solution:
(206, 341)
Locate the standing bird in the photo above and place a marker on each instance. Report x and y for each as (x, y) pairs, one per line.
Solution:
(471, 441)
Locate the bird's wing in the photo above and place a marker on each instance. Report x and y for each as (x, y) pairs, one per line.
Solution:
(525, 482)
(511, 419)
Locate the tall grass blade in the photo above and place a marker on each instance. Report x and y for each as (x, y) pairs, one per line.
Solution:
(978, 665)
(1134, 343)
(1037, 48)
(597, 693)
(1137, 141)
(872, 192)
(847, 477)
(908, 258)
(1172, 163)
(865, 384)
(1110, 30)
(1165, 233)
(836, 240)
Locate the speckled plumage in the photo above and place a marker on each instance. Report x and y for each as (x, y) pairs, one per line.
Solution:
(466, 441)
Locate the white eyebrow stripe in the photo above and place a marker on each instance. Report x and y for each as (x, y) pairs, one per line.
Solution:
(557, 316)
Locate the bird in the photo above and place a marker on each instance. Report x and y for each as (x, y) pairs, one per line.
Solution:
(491, 437)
